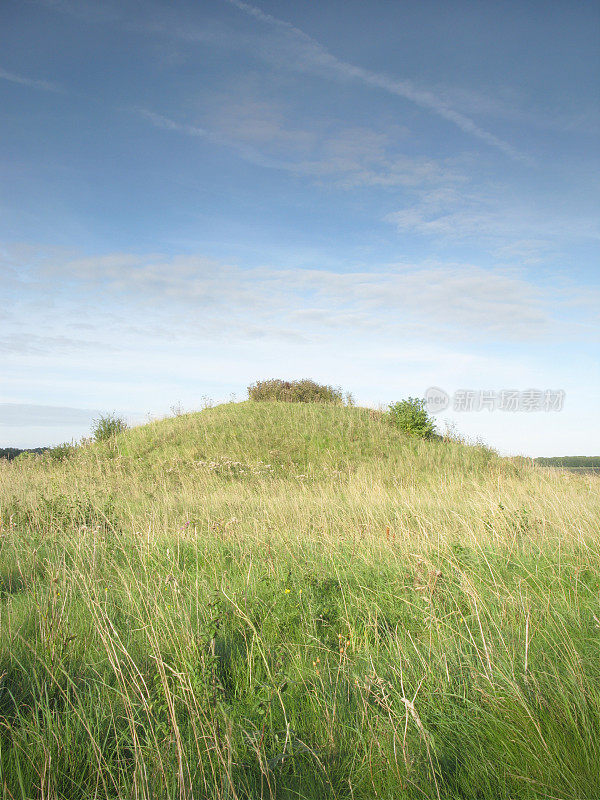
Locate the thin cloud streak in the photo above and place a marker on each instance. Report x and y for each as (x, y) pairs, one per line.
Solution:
(170, 125)
(318, 56)
(45, 86)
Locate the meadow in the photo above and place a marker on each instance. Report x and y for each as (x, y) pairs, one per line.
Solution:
(275, 600)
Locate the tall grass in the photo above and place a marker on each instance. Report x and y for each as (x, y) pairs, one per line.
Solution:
(290, 601)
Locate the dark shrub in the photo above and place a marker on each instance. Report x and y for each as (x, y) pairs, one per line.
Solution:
(410, 416)
(61, 451)
(305, 391)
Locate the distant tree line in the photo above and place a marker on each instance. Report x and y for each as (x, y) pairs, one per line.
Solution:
(570, 462)
(12, 452)
(105, 428)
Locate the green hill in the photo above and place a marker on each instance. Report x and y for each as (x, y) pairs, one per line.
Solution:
(272, 600)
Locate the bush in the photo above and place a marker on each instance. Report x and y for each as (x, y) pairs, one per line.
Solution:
(60, 451)
(410, 416)
(107, 426)
(304, 391)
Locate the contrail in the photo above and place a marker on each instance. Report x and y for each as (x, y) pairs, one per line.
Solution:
(319, 57)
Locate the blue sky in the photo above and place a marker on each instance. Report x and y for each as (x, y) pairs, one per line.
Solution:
(383, 196)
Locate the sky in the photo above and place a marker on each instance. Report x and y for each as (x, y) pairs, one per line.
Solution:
(382, 196)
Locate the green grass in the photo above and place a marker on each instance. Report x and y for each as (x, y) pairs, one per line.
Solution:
(295, 601)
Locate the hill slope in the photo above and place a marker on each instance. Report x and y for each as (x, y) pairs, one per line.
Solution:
(270, 600)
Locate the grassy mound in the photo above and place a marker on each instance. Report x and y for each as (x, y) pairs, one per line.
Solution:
(296, 601)
(301, 434)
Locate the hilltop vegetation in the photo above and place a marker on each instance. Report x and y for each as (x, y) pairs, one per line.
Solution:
(291, 600)
(304, 391)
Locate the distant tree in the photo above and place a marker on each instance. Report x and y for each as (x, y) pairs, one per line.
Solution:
(410, 416)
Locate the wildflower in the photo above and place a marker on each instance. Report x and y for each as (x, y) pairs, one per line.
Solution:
(287, 591)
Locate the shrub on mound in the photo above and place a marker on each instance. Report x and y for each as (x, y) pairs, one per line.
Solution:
(305, 391)
(107, 426)
(410, 416)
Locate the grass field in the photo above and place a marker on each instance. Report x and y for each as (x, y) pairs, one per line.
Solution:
(267, 600)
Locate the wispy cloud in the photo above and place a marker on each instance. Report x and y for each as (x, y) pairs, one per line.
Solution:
(171, 125)
(516, 106)
(21, 344)
(45, 86)
(347, 157)
(83, 9)
(456, 300)
(487, 216)
(314, 56)
(29, 414)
